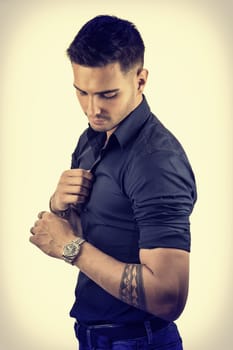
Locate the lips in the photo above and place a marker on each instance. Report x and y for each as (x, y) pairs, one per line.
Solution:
(99, 120)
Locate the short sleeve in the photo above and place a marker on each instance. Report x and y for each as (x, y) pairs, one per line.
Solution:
(161, 187)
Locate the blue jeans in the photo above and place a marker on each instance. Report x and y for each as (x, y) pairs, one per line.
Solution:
(167, 338)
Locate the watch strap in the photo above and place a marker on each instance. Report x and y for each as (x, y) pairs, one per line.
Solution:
(72, 258)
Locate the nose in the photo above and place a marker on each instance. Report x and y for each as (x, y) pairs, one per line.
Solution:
(93, 108)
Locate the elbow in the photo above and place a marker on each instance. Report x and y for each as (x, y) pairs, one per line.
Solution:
(169, 307)
(169, 312)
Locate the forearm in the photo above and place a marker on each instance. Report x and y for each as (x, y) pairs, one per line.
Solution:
(158, 285)
(101, 268)
(134, 284)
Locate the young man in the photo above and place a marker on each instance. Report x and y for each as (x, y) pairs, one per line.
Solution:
(133, 189)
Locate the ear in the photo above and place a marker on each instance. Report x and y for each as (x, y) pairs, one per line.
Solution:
(142, 75)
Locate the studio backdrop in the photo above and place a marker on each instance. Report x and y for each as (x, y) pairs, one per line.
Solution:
(189, 56)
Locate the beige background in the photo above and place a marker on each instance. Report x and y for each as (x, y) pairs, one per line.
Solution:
(189, 55)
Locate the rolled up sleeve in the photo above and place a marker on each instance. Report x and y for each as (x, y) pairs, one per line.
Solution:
(161, 187)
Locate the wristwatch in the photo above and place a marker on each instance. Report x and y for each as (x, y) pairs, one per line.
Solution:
(72, 250)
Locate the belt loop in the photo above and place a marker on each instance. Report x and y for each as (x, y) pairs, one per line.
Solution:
(148, 331)
(76, 328)
(89, 339)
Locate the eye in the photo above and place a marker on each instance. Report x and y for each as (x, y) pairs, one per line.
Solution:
(109, 95)
(82, 93)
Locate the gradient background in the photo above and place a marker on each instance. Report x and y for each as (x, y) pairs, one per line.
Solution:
(189, 55)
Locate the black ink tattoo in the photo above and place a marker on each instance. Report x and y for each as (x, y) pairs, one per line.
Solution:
(131, 286)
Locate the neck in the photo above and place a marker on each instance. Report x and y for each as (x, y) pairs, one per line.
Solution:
(109, 133)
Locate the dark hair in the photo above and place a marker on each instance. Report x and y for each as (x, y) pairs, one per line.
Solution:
(107, 39)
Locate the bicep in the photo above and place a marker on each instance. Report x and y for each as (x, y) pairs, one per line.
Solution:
(161, 190)
(167, 263)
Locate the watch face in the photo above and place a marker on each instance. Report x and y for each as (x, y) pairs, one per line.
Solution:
(71, 249)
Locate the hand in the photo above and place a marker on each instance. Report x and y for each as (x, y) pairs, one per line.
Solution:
(51, 233)
(73, 188)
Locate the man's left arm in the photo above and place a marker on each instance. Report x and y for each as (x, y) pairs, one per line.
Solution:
(158, 285)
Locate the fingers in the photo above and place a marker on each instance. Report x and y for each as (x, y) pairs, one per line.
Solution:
(37, 224)
(40, 226)
(40, 215)
(73, 198)
(75, 182)
(78, 177)
(50, 233)
(73, 188)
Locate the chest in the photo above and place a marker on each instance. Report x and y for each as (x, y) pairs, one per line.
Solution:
(107, 217)
(107, 201)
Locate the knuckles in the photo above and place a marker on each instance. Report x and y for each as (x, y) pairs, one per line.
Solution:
(82, 173)
(46, 217)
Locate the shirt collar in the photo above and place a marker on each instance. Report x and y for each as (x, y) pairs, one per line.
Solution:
(132, 124)
(128, 128)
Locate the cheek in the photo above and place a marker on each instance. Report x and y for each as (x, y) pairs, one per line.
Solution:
(126, 105)
(83, 102)
(80, 100)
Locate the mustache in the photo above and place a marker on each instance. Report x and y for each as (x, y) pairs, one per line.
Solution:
(99, 116)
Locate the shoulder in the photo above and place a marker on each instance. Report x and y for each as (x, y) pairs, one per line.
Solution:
(158, 161)
(156, 148)
(155, 137)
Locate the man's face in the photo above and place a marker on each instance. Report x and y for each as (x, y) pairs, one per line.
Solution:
(107, 95)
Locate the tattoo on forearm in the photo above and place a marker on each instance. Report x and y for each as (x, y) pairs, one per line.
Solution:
(131, 286)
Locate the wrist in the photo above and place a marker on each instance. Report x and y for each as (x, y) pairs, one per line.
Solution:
(72, 250)
(61, 213)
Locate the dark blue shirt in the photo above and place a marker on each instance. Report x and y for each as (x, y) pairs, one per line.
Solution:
(142, 197)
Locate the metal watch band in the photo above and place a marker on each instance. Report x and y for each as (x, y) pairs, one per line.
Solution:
(72, 258)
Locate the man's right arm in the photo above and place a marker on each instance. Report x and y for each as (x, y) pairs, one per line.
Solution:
(73, 187)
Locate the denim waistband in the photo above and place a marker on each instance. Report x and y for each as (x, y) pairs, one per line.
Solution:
(87, 334)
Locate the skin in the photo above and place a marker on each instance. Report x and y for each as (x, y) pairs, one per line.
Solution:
(159, 284)
(107, 95)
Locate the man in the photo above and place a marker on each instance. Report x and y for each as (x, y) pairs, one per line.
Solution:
(133, 189)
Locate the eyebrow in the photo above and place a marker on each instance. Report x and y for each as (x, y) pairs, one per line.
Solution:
(98, 92)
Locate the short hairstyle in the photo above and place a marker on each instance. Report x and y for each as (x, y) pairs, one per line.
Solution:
(107, 39)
